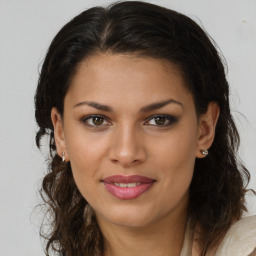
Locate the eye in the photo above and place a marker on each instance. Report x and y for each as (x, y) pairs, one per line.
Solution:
(162, 120)
(95, 121)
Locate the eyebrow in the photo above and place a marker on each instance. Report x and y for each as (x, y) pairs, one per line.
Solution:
(160, 104)
(144, 109)
(95, 105)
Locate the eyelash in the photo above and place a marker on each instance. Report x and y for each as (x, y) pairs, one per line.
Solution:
(86, 118)
(171, 120)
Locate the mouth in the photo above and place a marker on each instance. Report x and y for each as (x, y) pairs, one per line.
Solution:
(127, 187)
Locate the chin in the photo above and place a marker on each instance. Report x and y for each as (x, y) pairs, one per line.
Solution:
(130, 221)
(126, 217)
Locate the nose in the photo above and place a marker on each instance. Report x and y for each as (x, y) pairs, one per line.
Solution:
(127, 147)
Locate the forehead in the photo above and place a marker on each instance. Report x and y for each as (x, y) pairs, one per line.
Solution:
(108, 77)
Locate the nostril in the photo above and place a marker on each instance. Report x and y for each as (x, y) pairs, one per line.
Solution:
(127, 153)
(126, 163)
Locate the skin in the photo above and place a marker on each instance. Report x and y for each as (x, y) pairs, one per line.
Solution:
(131, 142)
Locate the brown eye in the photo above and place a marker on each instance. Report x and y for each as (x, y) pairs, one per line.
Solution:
(160, 120)
(97, 120)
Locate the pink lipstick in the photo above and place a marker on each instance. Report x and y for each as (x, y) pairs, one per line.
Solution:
(127, 187)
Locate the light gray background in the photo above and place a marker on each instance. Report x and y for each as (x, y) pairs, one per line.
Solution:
(26, 30)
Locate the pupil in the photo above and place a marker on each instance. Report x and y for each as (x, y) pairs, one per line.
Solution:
(160, 120)
(97, 120)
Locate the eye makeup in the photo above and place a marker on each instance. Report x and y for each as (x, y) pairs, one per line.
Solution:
(101, 121)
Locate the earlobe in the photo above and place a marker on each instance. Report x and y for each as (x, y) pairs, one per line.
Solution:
(207, 126)
(59, 136)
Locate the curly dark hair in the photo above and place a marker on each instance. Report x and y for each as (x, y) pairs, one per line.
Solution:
(142, 29)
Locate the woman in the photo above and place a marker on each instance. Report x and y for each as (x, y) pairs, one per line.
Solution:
(143, 146)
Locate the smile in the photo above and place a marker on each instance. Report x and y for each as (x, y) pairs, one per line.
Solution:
(127, 187)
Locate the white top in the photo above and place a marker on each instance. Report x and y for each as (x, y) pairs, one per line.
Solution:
(240, 239)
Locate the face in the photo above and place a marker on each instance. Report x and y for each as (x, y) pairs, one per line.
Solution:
(131, 134)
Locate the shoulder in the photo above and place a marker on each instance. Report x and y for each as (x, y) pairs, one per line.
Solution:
(240, 240)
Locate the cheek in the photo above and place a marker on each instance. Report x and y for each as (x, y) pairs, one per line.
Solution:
(84, 148)
(85, 154)
(175, 158)
(176, 150)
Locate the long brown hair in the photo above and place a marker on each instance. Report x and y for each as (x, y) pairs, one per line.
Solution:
(218, 187)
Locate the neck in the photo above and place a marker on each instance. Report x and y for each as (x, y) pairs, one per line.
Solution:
(161, 238)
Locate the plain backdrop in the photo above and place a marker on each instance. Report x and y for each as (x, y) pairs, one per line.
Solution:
(26, 30)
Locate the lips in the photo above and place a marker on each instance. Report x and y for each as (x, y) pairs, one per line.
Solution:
(127, 187)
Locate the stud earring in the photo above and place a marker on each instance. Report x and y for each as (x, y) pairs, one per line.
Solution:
(205, 152)
(63, 156)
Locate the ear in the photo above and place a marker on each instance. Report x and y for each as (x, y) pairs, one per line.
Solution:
(59, 133)
(207, 125)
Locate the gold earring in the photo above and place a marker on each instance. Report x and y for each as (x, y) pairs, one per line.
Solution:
(63, 156)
